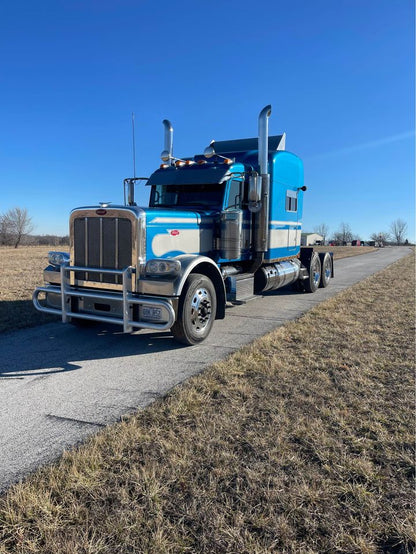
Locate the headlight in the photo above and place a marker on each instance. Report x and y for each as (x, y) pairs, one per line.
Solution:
(163, 267)
(58, 258)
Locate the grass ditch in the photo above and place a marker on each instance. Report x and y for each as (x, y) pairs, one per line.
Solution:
(300, 442)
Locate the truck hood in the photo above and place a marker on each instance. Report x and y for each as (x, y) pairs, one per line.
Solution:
(171, 232)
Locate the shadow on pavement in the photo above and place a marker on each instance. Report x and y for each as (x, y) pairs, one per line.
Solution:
(56, 348)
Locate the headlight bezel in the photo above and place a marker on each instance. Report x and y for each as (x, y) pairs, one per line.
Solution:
(159, 267)
(57, 258)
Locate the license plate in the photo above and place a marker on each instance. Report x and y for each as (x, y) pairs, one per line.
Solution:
(151, 313)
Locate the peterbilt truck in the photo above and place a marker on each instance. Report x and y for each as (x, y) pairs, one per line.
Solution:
(221, 227)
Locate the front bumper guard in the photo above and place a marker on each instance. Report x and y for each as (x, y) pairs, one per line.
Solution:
(125, 297)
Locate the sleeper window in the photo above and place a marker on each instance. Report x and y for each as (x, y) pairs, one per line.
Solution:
(291, 201)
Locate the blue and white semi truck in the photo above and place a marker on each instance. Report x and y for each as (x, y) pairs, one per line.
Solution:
(223, 226)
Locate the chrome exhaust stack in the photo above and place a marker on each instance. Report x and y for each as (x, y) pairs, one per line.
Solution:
(262, 219)
(167, 154)
(264, 138)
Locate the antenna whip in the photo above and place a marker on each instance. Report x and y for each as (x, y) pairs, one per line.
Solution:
(134, 145)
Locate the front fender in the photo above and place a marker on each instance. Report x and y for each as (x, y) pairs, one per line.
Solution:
(191, 263)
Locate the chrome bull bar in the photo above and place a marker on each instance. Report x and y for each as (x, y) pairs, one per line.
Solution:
(126, 298)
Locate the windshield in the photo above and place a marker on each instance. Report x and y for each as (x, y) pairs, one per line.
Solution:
(207, 196)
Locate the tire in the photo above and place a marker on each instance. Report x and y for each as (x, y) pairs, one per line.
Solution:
(326, 269)
(196, 311)
(314, 268)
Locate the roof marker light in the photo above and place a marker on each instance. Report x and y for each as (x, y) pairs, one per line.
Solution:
(179, 163)
(201, 162)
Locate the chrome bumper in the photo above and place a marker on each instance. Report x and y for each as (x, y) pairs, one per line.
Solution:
(126, 298)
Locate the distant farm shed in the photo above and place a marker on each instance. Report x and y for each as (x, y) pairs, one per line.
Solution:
(309, 239)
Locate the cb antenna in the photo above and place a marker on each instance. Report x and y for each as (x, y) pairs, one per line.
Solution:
(130, 181)
(134, 145)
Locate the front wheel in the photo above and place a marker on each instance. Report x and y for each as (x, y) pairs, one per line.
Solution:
(196, 311)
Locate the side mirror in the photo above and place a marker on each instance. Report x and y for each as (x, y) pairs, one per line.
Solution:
(209, 152)
(254, 193)
(165, 155)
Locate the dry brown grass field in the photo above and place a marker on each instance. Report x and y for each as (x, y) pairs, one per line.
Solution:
(21, 270)
(301, 442)
(345, 251)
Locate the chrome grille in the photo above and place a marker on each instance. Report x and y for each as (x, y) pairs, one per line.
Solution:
(102, 242)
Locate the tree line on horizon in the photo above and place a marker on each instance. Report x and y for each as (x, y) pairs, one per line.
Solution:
(396, 234)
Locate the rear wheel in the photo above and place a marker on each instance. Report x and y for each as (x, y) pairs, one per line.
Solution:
(312, 282)
(196, 311)
(326, 266)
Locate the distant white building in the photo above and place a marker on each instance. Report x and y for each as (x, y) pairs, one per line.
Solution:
(310, 239)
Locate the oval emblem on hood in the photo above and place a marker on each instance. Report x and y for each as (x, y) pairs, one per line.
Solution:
(174, 233)
(100, 212)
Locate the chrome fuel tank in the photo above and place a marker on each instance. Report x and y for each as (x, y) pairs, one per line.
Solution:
(274, 276)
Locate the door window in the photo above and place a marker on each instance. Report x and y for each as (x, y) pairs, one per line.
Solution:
(234, 194)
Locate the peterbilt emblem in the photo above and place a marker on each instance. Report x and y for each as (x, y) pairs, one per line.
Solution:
(174, 233)
(100, 212)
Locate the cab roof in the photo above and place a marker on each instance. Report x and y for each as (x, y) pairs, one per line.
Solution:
(243, 146)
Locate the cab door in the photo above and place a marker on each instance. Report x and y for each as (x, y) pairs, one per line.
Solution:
(235, 198)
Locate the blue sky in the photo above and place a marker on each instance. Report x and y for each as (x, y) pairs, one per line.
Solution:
(339, 75)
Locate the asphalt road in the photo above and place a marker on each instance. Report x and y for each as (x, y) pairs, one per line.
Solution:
(59, 383)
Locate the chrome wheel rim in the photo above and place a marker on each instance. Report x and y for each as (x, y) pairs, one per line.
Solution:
(327, 270)
(201, 309)
(316, 274)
